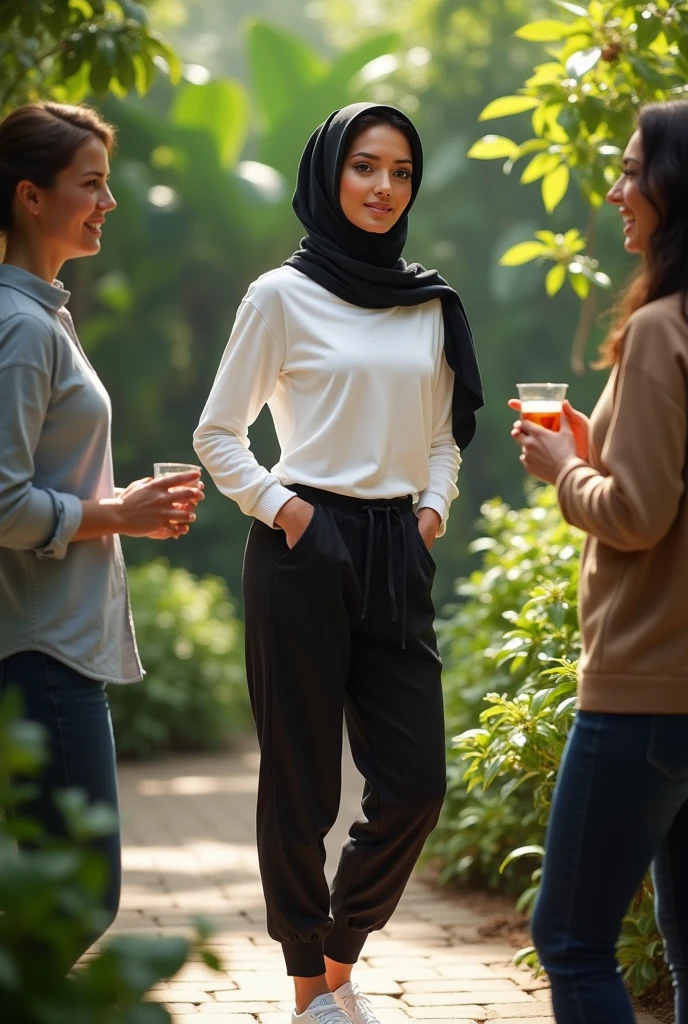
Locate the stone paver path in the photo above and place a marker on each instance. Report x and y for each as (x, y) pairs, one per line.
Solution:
(189, 848)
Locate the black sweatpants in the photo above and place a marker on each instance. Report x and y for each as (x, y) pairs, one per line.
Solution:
(342, 624)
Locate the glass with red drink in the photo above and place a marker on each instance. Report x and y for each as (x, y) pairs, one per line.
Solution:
(542, 403)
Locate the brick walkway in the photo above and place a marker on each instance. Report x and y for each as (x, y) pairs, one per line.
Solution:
(189, 848)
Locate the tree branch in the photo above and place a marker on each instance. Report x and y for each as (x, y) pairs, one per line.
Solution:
(588, 307)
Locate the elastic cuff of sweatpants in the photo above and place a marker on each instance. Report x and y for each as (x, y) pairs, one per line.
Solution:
(304, 959)
(344, 945)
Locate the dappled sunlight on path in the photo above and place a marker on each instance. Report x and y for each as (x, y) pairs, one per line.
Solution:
(189, 848)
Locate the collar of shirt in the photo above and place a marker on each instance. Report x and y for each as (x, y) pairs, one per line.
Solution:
(52, 296)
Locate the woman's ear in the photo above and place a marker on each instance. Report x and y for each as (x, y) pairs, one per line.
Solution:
(27, 195)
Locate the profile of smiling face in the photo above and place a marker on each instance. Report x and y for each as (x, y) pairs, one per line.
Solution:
(376, 183)
(67, 217)
(640, 216)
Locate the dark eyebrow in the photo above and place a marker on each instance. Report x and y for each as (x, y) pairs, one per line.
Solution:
(94, 174)
(630, 160)
(371, 156)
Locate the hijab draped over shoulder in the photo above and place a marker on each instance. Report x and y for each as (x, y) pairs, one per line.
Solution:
(365, 268)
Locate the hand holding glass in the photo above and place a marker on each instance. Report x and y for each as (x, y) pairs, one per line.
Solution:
(542, 403)
(161, 469)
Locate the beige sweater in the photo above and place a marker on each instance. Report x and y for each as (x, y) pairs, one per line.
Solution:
(631, 501)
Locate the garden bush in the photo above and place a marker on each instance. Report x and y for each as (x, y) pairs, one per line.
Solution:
(511, 650)
(193, 696)
(50, 905)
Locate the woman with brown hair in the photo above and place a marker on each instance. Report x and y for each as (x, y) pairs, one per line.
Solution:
(621, 800)
(65, 623)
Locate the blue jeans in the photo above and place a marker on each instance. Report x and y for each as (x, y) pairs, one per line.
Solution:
(620, 805)
(75, 712)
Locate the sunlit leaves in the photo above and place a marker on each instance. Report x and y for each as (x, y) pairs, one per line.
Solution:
(605, 61)
(566, 253)
(555, 279)
(555, 186)
(546, 31)
(506, 106)
(523, 252)
(493, 147)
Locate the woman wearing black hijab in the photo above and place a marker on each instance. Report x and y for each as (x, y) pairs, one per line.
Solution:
(369, 370)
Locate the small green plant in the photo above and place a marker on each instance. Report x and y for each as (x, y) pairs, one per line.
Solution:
(194, 693)
(50, 907)
(492, 642)
(511, 653)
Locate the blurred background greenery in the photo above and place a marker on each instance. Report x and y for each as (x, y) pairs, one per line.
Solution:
(204, 176)
(214, 102)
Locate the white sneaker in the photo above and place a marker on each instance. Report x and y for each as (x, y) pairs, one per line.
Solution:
(323, 1010)
(357, 1006)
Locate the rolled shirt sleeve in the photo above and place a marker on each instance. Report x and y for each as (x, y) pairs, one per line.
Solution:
(31, 518)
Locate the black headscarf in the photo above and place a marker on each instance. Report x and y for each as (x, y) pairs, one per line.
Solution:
(365, 268)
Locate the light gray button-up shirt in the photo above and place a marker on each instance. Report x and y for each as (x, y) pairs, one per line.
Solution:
(69, 600)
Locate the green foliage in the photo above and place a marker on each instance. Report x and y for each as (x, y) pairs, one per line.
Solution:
(605, 59)
(49, 908)
(194, 693)
(517, 619)
(64, 49)
(565, 251)
(510, 677)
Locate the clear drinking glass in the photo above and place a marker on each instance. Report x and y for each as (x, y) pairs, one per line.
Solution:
(167, 468)
(541, 403)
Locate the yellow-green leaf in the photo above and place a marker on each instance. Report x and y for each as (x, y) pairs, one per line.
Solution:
(546, 31)
(539, 166)
(579, 282)
(522, 252)
(505, 106)
(493, 147)
(555, 279)
(554, 187)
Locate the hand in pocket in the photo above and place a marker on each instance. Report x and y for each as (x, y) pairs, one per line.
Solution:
(294, 518)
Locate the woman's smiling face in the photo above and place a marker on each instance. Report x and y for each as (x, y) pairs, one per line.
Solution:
(639, 215)
(376, 181)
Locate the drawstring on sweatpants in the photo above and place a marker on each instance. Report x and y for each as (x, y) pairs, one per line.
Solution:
(389, 512)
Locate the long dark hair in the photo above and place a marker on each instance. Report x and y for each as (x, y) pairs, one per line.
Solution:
(39, 140)
(664, 182)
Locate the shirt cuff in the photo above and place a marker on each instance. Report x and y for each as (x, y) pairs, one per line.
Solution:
(273, 498)
(68, 513)
(435, 501)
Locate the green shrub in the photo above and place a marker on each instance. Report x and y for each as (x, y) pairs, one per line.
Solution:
(194, 693)
(511, 653)
(49, 907)
(530, 556)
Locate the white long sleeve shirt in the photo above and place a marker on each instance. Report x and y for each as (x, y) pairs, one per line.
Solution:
(361, 399)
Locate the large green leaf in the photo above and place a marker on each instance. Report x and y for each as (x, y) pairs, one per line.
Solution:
(349, 63)
(219, 108)
(282, 69)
